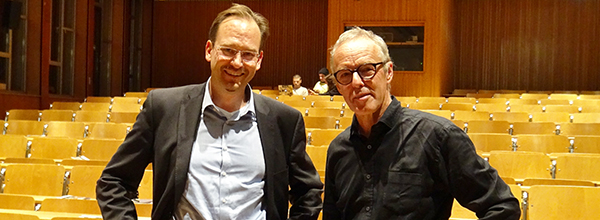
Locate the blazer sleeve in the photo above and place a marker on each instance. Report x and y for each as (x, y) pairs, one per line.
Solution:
(120, 179)
(305, 185)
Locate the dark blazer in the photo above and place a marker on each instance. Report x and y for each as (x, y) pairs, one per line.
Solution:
(163, 135)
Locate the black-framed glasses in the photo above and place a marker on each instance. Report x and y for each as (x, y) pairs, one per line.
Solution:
(366, 72)
(230, 53)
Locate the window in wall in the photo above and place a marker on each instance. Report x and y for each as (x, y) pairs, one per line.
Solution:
(405, 44)
(13, 32)
(62, 47)
(135, 50)
(102, 46)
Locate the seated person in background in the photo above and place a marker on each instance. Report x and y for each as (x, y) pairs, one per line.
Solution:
(331, 85)
(321, 86)
(298, 88)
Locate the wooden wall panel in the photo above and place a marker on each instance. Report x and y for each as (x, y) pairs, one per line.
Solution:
(527, 44)
(297, 44)
(435, 79)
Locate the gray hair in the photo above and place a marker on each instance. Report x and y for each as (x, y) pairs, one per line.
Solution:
(356, 33)
(297, 77)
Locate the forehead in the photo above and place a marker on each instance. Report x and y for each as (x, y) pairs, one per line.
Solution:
(356, 52)
(238, 31)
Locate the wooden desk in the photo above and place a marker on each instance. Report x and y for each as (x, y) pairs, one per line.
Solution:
(49, 215)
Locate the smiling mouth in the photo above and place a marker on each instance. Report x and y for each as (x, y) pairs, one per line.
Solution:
(234, 75)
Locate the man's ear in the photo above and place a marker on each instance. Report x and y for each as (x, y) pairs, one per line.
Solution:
(259, 61)
(207, 49)
(390, 73)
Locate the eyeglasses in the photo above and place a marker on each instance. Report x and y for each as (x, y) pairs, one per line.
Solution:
(230, 53)
(366, 72)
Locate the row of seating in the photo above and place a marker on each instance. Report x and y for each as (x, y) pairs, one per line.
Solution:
(501, 107)
(516, 128)
(486, 142)
(26, 206)
(59, 180)
(69, 115)
(19, 146)
(67, 129)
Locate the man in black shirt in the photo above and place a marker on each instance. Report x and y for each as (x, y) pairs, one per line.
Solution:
(398, 163)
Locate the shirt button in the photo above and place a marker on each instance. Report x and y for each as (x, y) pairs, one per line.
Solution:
(368, 208)
(224, 200)
(369, 147)
(368, 176)
(223, 173)
(225, 148)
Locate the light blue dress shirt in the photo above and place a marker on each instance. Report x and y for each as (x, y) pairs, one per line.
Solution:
(227, 166)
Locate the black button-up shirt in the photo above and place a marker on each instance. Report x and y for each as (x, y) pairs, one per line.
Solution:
(411, 167)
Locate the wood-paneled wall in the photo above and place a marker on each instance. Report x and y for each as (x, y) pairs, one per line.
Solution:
(528, 44)
(437, 17)
(297, 44)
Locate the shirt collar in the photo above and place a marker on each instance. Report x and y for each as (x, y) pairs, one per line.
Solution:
(246, 109)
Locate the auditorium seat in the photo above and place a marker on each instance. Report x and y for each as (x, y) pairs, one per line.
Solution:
(518, 101)
(52, 147)
(486, 126)
(407, 99)
(122, 117)
(34, 179)
(546, 143)
(470, 116)
(328, 104)
(556, 182)
(318, 155)
(517, 128)
(99, 149)
(537, 96)
(125, 100)
(521, 164)
(95, 106)
(18, 216)
(13, 146)
(322, 136)
(283, 98)
(335, 112)
(25, 160)
(563, 202)
(125, 107)
(554, 102)
(491, 107)
(458, 107)
(437, 100)
(136, 94)
(81, 206)
(73, 106)
(491, 100)
(507, 95)
(562, 108)
(578, 166)
(525, 108)
(510, 116)
(466, 100)
(486, 142)
(23, 127)
(22, 114)
(65, 129)
(343, 123)
(105, 99)
(322, 122)
(82, 180)
(13, 201)
(108, 130)
(563, 96)
(91, 116)
(56, 115)
(590, 109)
(586, 144)
(425, 106)
(447, 114)
(299, 104)
(555, 117)
(570, 129)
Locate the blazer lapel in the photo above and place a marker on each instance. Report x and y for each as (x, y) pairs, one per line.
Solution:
(187, 126)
